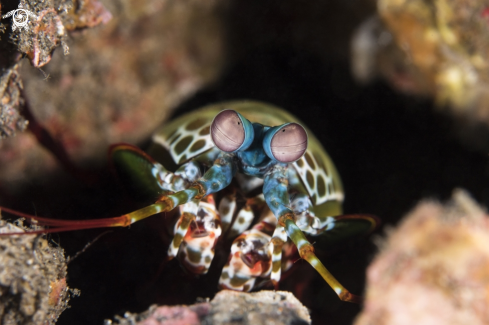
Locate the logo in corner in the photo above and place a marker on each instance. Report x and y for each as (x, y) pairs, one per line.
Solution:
(20, 17)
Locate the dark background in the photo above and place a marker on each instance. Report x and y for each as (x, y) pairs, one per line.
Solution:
(391, 151)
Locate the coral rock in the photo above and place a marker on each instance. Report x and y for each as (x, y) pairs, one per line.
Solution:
(433, 269)
(228, 308)
(33, 286)
(438, 49)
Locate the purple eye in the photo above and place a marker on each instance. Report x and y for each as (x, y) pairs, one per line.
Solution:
(227, 131)
(288, 143)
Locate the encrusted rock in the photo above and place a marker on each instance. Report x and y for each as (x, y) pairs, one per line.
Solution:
(120, 81)
(10, 100)
(46, 25)
(33, 286)
(228, 308)
(438, 49)
(433, 269)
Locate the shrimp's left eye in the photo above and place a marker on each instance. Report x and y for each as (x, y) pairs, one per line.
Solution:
(285, 143)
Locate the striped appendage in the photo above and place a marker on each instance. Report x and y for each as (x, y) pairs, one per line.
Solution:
(234, 222)
(180, 180)
(196, 233)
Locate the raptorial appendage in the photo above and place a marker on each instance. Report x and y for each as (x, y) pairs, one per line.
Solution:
(276, 194)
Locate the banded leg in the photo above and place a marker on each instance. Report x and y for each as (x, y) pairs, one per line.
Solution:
(194, 242)
(250, 257)
(278, 240)
(277, 197)
(306, 251)
(243, 218)
(188, 215)
(227, 208)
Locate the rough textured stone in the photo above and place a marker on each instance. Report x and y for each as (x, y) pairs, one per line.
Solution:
(430, 48)
(118, 83)
(433, 269)
(228, 308)
(47, 26)
(33, 286)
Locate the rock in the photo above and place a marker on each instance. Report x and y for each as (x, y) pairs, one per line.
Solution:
(46, 28)
(33, 287)
(436, 49)
(227, 308)
(118, 84)
(433, 268)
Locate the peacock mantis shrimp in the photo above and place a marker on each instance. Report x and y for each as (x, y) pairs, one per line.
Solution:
(289, 188)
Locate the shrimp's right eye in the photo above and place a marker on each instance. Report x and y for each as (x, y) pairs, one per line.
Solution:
(231, 132)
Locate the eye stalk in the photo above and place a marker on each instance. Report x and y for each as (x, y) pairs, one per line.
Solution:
(285, 143)
(231, 132)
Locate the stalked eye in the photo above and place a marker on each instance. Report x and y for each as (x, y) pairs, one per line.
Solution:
(285, 143)
(231, 132)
